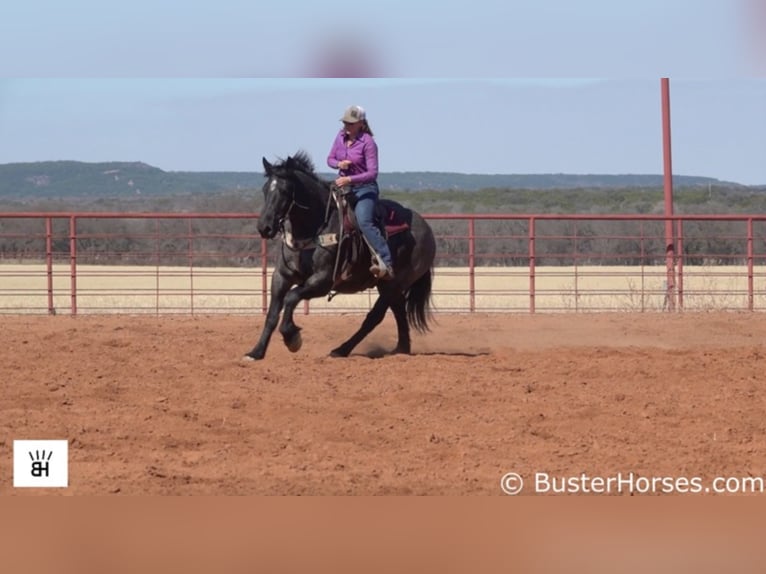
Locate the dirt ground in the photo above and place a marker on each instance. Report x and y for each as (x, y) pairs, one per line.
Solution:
(166, 405)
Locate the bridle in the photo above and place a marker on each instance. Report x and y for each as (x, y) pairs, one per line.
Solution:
(293, 203)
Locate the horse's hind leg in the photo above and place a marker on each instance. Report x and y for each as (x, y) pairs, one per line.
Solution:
(398, 306)
(372, 320)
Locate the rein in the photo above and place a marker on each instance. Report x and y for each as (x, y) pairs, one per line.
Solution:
(319, 240)
(325, 239)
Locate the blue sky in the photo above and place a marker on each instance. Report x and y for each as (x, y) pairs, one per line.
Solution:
(479, 87)
(414, 38)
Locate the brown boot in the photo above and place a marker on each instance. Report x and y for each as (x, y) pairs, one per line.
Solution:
(382, 272)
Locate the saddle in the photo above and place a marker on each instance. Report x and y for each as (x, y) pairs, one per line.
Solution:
(354, 254)
(386, 219)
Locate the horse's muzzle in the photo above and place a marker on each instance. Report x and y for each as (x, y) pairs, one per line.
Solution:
(267, 231)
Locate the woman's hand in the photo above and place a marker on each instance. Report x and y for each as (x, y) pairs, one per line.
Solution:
(344, 164)
(343, 181)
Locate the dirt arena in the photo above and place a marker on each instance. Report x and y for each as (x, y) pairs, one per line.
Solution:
(166, 405)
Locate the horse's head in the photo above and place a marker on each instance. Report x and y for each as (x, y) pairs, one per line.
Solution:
(276, 201)
(289, 184)
(278, 198)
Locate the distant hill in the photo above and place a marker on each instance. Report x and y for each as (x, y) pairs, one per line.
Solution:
(416, 181)
(112, 179)
(135, 179)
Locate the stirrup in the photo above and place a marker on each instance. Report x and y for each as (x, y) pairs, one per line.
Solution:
(382, 272)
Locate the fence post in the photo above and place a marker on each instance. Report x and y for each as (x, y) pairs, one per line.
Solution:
(472, 264)
(49, 262)
(670, 277)
(680, 263)
(670, 283)
(157, 258)
(750, 264)
(73, 263)
(643, 265)
(190, 254)
(574, 265)
(531, 264)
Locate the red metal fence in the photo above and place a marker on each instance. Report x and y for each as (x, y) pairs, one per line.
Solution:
(161, 263)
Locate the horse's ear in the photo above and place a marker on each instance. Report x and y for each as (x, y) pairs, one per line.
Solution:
(267, 166)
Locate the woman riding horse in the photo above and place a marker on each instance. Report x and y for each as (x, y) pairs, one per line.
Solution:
(355, 153)
(300, 206)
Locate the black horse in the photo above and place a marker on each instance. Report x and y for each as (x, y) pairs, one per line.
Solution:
(322, 253)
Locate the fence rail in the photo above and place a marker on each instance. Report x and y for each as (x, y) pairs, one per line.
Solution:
(78, 262)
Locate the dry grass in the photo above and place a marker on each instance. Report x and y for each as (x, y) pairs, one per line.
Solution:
(146, 289)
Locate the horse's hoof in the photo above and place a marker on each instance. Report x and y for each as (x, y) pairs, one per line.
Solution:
(338, 353)
(401, 351)
(250, 357)
(295, 343)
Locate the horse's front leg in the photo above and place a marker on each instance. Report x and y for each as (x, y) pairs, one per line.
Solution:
(280, 286)
(316, 285)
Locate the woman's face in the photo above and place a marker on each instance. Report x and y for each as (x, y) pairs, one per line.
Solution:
(352, 129)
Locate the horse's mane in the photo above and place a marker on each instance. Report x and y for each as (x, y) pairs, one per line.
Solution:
(305, 162)
(301, 167)
(301, 160)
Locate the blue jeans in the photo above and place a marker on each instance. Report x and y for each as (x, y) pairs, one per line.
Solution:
(366, 200)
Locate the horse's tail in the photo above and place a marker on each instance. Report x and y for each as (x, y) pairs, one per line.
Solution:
(419, 303)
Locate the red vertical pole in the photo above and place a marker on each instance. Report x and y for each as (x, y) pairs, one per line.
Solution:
(574, 262)
(643, 263)
(190, 248)
(750, 256)
(531, 264)
(680, 258)
(472, 263)
(158, 257)
(73, 263)
(670, 298)
(49, 262)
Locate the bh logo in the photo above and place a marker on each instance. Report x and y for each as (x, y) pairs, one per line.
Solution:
(40, 463)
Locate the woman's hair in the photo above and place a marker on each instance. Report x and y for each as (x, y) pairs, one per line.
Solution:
(366, 128)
